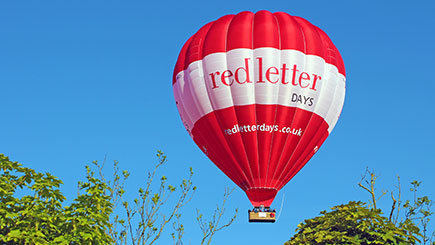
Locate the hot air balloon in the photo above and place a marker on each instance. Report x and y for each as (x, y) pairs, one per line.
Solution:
(259, 93)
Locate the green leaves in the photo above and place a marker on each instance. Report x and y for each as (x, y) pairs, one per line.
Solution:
(352, 223)
(40, 217)
(359, 223)
(153, 209)
(210, 227)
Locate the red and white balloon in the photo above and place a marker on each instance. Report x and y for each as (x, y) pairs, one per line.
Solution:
(259, 93)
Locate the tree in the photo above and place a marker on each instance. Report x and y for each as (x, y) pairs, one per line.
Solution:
(39, 217)
(361, 223)
(145, 219)
(209, 228)
(32, 209)
(352, 223)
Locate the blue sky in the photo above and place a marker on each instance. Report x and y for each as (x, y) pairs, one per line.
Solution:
(82, 79)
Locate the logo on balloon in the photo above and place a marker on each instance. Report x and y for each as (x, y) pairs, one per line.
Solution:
(271, 74)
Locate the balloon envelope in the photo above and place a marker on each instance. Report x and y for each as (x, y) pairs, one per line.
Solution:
(259, 93)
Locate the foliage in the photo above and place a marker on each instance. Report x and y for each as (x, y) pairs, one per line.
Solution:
(352, 223)
(418, 211)
(360, 223)
(145, 218)
(40, 217)
(209, 228)
(413, 215)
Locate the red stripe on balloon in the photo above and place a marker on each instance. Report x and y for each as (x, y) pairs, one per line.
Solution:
(195, 49)
(179, 66)
(299, 157)
(216, 39)
(290, 32)
(240, 31)
(208, 136)
(220, 133)
(262, 29)
(265, 31)
(333, 56)
(312, 40)
(261, 196)
(309, 152)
